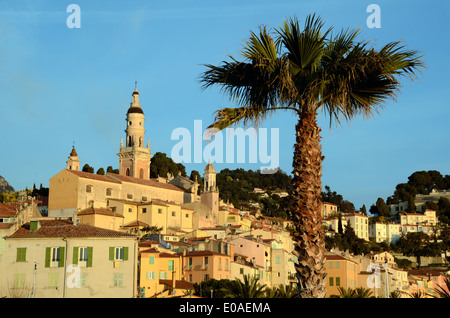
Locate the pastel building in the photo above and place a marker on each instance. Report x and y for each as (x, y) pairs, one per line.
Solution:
(328, 209)
(200, 266)
(161, 274)
(48, 258)
(341, 272)
(359, 222)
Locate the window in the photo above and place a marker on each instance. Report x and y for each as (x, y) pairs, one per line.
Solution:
(82, 256)
(118, 253)
(338, 281)
(173, 213)
(241, 271)
(206, 263)
(159, 211)
(151, 260)
(19, 281)
(330, 265)
(108, 192)
(338, 265)
(117, 280)
(171, 267)
(89, 188)
(130, 210)
(144, 210)
(129, 196)
(187, 215)
(54, 256)
(144, 199)
(151, 275)
(162, 275)
(277, 260)
(21, 254)
(53, 280)
(83, 278)
(330, 281)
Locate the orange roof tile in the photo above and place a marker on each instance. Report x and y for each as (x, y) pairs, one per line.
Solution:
(65, 228)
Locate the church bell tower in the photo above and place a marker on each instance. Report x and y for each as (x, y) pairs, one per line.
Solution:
(134, 157)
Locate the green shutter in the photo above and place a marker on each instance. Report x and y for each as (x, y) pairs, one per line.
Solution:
(90, 254)
(111, 253)
(47, 256)
(125, 253)
(21, 254)
(62, 255)
(75, 255)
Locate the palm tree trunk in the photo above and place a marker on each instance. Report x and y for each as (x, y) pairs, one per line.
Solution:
(309, 244)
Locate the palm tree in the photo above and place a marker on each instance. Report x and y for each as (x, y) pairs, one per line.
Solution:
(249, 287)
(362, 292)
(305, 71)
(346, 292)
(441, 292)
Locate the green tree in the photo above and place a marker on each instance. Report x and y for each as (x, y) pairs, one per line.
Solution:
(363, 209)
(380, 208)
(101, 171)
(162, 165)
(87, 168)
(248, 287)
(304, 71)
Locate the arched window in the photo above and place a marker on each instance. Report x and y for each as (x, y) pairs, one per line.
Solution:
(130, 141)
(127, 172)
(141, 173)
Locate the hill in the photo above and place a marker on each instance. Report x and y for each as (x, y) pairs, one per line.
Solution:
(5, 187)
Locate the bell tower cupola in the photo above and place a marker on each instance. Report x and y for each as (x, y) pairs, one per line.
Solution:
(134, 156)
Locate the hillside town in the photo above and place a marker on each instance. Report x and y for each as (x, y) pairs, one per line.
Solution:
(127, 235)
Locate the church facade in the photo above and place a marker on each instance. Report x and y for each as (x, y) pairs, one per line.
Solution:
(131, 199)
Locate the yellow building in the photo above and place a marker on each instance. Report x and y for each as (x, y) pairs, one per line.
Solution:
(161, 274)
(328, 209)
(341, 272)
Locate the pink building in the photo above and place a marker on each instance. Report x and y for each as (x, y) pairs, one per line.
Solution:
(199, 266)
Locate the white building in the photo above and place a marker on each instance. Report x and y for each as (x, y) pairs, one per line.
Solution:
(359, 222)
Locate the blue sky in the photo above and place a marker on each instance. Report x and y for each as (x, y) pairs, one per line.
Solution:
(60, 85)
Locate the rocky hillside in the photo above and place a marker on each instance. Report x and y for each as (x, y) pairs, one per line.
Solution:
(5, 187)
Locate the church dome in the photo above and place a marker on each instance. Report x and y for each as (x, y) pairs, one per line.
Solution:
(210, 168)
(136, 110)
(73, 153)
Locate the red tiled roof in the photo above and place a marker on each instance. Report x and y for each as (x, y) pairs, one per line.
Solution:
(93, 176)
(148, 182)
(117, 178)
(150, 250)
(148, 243)
(7, 210)
(179, 284)
(135, 224)
(5, 225)
(100, 211)
(65, 228)
(203, 253)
